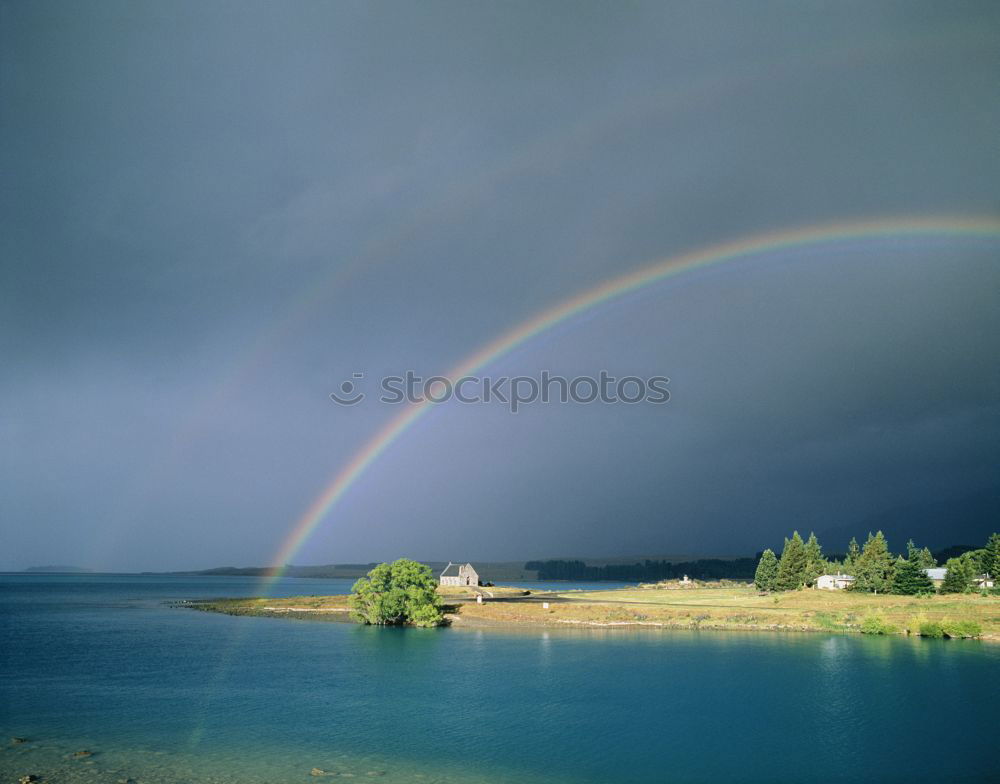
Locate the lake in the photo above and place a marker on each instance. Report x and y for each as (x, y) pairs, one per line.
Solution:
(160, 693)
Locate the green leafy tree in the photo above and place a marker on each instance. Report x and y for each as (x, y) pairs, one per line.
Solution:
(815, 562)
(853, 553)
(956, 579)
(873, 568)
(991, 560)
(927, 559)
(403, 592)
(766, 578)
(792, 566)
(908, 578)
(975, 562)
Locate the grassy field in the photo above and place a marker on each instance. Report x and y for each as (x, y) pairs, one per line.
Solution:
(332, 607)
(743, 608)
(731, 607)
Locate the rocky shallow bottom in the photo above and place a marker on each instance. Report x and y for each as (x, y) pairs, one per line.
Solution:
(37, 761)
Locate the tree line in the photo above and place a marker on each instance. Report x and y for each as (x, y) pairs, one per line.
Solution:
(647, 571)
(873, 566)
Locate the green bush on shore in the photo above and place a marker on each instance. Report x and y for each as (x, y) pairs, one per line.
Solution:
(403, 592)
(944, 628)
(962, 628)
(931, 629)
(875, 624)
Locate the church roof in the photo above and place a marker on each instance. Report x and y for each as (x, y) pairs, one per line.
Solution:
(452, 569)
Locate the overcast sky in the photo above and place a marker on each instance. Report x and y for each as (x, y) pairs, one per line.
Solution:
(215, 212)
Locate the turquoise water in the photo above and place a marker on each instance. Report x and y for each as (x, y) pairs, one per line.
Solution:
(165, 694)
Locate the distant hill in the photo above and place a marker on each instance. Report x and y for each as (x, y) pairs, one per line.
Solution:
(953, 552)
(935, 525)
(321, 571)
(488, 570)
(57, 570)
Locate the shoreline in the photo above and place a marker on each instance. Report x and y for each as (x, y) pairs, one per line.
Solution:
(724, 608)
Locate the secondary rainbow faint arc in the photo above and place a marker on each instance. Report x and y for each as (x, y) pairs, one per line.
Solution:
(753, 245)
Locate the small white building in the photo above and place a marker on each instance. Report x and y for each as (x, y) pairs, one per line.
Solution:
(936, 575)
(834, 582)
(459, 574)
(983, 581)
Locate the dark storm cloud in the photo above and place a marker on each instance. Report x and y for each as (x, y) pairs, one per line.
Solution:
(215, 212)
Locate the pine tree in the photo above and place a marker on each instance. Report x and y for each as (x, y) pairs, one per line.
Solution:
(815, 563)
(853, 553)
(873, 568)
(921, 557)
(766, 578)
(792, 566)
(956, 580)
(909, 578)
(991, 560)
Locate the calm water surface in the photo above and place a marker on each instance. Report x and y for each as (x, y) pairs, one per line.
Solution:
(163, 694)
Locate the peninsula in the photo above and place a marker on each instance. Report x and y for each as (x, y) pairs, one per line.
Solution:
(801, 591)
(719, 605)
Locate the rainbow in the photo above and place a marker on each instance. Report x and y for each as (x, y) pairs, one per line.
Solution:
(755, 245)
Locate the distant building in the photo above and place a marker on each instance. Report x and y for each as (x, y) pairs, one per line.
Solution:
(834, 582)
(459, 574)
(936, 575)
(983, 581)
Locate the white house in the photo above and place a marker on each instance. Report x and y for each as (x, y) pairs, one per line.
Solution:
(936, 575)
(834, 582)
(459, 574)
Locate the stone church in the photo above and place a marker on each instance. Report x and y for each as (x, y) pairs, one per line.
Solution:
(459, 574)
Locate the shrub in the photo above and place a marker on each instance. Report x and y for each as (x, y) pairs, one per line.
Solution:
(403, 592)
(931, 629)
(875, 624)
(913, 625)
(962, 629)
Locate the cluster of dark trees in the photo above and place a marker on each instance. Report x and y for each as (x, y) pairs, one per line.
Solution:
(801, 562)
(646, 571)
(873, 566)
